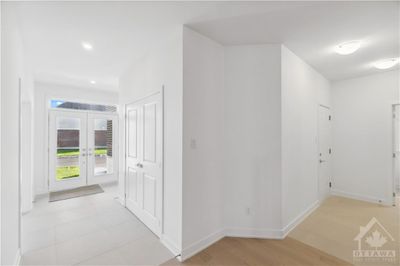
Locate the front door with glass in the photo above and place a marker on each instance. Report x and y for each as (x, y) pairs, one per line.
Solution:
(81, 149)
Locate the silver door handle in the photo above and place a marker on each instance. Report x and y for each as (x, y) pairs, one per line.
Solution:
(321, 161)
(139, 165)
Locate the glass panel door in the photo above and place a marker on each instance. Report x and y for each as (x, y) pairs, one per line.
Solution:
(68, 147)
(82, 149)
(67, 150)
(101, 148)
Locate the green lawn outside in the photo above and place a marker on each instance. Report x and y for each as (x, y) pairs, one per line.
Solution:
(75, 152)
(66, 172)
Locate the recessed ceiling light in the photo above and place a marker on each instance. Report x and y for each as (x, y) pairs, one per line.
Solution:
(87, 46)
(93, 82)
(347, 47)
(386, 63)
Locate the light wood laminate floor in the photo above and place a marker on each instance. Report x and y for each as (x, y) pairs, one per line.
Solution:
(334, 225)
(326, 237)
(245, 251)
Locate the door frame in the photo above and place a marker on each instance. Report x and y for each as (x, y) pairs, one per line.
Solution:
(87, 112)
(320, 198)
(125, 138)
(394, 155)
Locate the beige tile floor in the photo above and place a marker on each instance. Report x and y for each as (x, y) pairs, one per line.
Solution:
(334, 225)
(91, 230)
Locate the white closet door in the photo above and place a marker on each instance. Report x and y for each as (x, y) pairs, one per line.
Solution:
(144, 160)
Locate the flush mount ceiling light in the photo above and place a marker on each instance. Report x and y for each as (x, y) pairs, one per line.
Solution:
(386, 63)
(347, 47)
(87, 46)
(92, 82)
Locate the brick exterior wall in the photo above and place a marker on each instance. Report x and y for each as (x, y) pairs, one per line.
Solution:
(69, 138)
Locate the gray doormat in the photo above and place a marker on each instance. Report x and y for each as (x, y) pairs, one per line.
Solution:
(74, 193)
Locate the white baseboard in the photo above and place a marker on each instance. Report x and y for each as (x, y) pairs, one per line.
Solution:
(300, 218)
(246, 233)
(253, 233)
(17, 260)
(121, 200)
(360, 197)
(207, 241)
(40, 195)
(201, 245)
(166, 241)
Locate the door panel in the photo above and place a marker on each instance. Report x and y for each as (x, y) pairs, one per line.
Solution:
(144, 158)
(132, 183)
(67, 150)
(149, 200)
(149, 132)
(133, 136)
(324, 144)
(102, 159)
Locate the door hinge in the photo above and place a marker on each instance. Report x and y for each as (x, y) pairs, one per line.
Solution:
(330, 184)
(394, 155)
(330, 150)
(330, 118)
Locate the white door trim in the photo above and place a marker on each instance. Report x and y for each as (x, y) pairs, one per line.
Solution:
(125, 129)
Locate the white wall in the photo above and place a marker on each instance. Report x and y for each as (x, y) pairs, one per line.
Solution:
(362, 136)
(12, 69)
(303, 90)
(252, 147)
(27, 151)
(203, 153)
(42, 93)
(163, 67)
(27, 156)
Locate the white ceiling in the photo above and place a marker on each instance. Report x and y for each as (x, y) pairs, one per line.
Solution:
(122, 32)
(312, 31)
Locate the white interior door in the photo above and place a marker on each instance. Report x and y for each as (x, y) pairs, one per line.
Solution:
(144, 155)
(396, 149)
(102, 148)
(67, 150)
(325, 151)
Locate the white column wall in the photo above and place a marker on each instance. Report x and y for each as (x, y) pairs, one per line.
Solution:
(303, 90)
(13, 69)
(203, 83)
(252, 149)
(162, 67)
